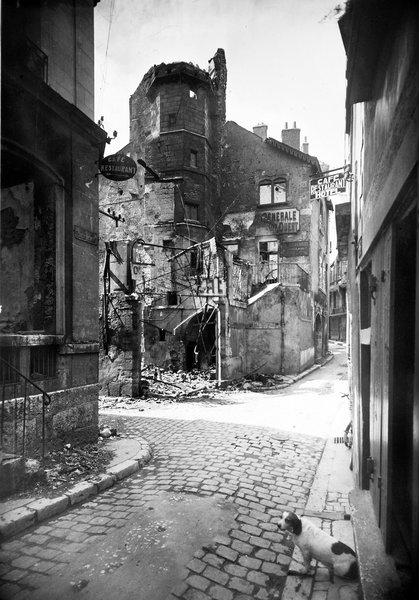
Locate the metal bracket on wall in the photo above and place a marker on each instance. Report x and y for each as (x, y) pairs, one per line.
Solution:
(112, 215)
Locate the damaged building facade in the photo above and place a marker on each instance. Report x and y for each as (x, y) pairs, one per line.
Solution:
(49, 225)
(183, 286)
(271, 224)
(162, 269)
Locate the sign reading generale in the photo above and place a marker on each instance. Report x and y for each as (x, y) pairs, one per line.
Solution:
(285, 220)
(118, 167)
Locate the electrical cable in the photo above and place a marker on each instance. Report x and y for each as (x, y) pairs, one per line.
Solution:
(102, 88)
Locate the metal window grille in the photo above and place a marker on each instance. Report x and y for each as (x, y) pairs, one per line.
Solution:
(11, 356)
(43, 362)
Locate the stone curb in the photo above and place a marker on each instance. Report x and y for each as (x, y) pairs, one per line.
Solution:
(19, 519)
(313, 368)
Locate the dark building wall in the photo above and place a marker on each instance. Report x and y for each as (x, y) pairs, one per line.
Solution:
(339, 275)
(50, 152)
(383, 101)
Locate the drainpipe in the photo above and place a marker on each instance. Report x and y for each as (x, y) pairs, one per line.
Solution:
(282, 298)
(218, 338)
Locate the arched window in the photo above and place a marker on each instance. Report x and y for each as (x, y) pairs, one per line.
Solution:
(273, 191)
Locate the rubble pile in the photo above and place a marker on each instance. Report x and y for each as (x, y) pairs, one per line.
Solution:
(71, 464)
(170, 384)
(160, 385)
(61, 468)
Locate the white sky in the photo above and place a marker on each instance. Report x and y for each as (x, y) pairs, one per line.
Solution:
(285, 61)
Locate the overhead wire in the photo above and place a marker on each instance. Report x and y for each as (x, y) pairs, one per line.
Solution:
(105, 66)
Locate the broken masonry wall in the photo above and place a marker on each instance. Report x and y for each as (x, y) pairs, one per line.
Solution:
(280, 332)
(162, 349)
(234, 318)
(264, 334)
(298, 330)
(148, 213)
(234, 350)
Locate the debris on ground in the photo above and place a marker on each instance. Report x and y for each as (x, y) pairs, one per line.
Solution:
(173, 384)
(64, 467)
(159, 385)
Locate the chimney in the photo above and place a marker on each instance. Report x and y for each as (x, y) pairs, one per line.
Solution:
(291, 137)
(261, 130)
(305, 146)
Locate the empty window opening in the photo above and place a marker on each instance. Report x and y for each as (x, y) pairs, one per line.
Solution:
(193, 95)
(168, 244)
(194, 158)
(196, 262)
(268, 251)
(172, 298)
(191, 212)
(172, 119)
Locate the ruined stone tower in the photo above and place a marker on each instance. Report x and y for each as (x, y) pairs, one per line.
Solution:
(176, 116)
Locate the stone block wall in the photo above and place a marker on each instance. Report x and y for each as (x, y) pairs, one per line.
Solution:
(71, 417)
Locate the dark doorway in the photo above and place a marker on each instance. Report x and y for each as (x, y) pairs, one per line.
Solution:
(365, 377)
(401, 415)
(200, 340)
(318, 338)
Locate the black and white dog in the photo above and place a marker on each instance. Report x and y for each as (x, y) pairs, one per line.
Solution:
(315, 543)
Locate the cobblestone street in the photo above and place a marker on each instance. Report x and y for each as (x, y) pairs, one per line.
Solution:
(199, 522)
(239, 477)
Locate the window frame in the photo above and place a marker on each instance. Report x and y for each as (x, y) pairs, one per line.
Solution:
(193, 158)
(272, 182)
(190, 210)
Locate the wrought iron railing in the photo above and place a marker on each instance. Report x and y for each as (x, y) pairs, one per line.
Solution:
(284, 273)
(20, 385)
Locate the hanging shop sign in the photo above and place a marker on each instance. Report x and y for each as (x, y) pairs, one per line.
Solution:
(283, 220)
(118, 167)
(322, 187)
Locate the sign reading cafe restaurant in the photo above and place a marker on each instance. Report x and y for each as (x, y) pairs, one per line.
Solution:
(118, 167)
(322, 187)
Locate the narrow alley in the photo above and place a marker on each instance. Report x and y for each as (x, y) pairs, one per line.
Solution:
(200, 520)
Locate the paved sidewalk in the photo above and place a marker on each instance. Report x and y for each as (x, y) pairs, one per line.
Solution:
(328, 507)
(17, 515)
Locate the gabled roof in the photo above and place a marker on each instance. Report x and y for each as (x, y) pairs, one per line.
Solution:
(312, 160)
(307, 158)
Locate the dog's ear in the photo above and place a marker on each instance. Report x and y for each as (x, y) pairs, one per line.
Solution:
(295, 523)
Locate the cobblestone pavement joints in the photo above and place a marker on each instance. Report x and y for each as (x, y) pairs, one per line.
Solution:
(330, 510)
(34, 511)
(260, 471)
